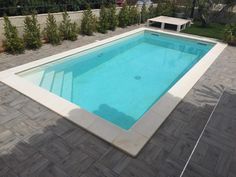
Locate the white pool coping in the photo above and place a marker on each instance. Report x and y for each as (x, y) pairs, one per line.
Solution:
(134, 139)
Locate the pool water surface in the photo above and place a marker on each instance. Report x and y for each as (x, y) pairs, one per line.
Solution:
(121, 80)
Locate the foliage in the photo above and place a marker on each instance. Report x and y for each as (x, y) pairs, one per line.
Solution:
(144, 14)
(13, 43)
(151, 11)
(166, 9)
(103, 20)
(124, 16)
(51, 31)
(32, 36)
(88, 23)
(21, 7)
(187, 8)
(204, 7)
(230, 34)
(213, 30)
(169, 8)
(134, 15)
(112, 17)
(68, 30)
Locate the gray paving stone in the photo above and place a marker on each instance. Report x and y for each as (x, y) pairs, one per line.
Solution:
(8, 95)
(13, 157)
(172, 127)
(7, 139)
(172, 166)
(7, 172)
(138, 168)
(98, 170)
(56, 150)
(74, 137)
(7, 114)
(76, 163)
(115, 160)
(182, 149)
(32, 109)
(32, 165)
(44, 116)
(164, 141)
(94, 146)
(58, 126)
(22, 126)
(150, 153)
(18, 102)
(50, 170)
(40, 138)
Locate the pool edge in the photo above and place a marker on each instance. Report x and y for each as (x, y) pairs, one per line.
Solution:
(134, 139)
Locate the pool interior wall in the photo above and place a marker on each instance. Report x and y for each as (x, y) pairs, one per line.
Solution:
(121, 80)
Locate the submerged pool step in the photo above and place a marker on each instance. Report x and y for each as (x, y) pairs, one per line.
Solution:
(67, 86)
(35, 78)
(47, 80)
(57, 83)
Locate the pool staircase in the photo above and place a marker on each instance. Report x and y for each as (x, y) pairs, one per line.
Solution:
(60, 83)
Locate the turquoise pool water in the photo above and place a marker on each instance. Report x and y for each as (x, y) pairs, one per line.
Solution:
(121, 80)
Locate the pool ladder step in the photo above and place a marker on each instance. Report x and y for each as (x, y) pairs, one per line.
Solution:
(47, 80)
(59, 83)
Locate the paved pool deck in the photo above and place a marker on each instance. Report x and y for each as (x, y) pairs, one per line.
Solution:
(36, 142)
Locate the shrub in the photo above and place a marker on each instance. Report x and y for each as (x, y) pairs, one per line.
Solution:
(204, 12)
(230, 34)
(68, 30)
(51, 32)
(151, 11)
(32, 36)
(124, 16)
(144, 14)
(159, 9)
(103, 20)
(88, 23)
(112, 17)
(13, 43)
(134, 15)
(168, 8)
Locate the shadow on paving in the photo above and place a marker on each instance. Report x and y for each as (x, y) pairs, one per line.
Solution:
(36, 142)
(215, 154)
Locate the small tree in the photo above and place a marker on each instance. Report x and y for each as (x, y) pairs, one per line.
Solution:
(32, 36)
(151, 11)
(51, 32)
(112, 18)
(204, 7)
(124, 16)
(103, 20)
(166, 9)
(133, 15)
(13, 43)
(159, 9)
(68, 30)
(144, 14)
(88, 23)
(230, 34)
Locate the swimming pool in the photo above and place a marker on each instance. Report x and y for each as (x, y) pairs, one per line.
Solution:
(122, 88)
(120, 81)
